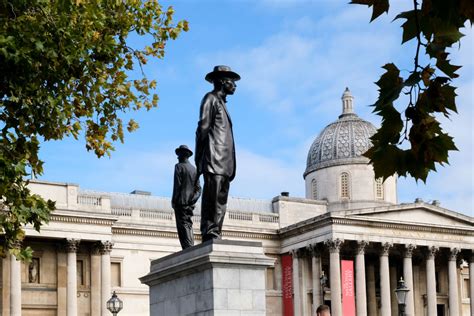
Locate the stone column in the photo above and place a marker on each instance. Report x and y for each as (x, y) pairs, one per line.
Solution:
(393, 286)
(371, 297)
(297, 305)
(61, 274)
(105, 280)
(15, 286)
(304, 282)
(5, 290)
(386, 308)
(471, 281)
(361, 298)
(408, 277)
(453, 283)
(316, 283)
(431, 281)
(335, 275)
(95, 280)
(71, 286)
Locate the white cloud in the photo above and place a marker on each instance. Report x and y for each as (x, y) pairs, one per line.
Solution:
(265, 177)
(300, 72)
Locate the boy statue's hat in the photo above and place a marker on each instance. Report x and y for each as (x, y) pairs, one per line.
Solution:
(183, 150)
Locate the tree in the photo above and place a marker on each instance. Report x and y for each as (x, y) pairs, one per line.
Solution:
(435, 26)
(66, 70)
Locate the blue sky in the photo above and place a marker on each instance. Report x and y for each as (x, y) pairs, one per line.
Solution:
(295, 59)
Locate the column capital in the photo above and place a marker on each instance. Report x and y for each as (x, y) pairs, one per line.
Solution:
(409, 250)
(72, 245)
(17, 244)
(386, 248)
(431, 253)
(453, 254)
(313, 250)
(297, 253)
(361, 245)
(334, 244)
(105, 247)
(96, 248)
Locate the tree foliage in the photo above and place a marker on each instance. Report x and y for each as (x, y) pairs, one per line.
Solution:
(66, 70)
(435, 26)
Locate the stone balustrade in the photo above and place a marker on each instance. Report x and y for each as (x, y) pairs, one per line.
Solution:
(137, 208)
(166, 217)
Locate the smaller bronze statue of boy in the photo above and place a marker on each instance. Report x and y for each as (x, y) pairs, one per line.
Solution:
(186, 192)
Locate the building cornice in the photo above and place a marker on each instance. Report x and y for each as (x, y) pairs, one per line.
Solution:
(410, 206)
(94, 219)
(328, 219)
(366, 222)
(336, 162)
(281, 198)
(137, 231)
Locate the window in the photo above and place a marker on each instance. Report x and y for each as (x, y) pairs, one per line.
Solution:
(314, 188)
(379, 188)
(80, 272)
(345, 185)
(466, 289)
(116, 274)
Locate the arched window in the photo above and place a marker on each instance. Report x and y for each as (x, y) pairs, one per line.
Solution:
(379, 188)
(345, 185)
(314, 189)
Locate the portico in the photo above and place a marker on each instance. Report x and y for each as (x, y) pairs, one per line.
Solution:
(434, 252)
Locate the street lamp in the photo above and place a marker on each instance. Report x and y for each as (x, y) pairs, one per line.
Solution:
(401, 293)
(114, 305)
(323, 279)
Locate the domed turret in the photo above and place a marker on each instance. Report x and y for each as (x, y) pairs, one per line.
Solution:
(336, 170)
(342, 142)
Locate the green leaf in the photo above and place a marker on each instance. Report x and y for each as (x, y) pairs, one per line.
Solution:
(390, 85)
(64, 67)
(410, 30)
(447, 68)
(413, 79)
(379, 6)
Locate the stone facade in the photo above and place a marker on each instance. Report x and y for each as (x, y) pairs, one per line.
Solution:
(113, 246)
(98, 242)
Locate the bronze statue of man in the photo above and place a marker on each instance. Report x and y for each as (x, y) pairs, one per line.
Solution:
(215, 151)
(186, 192)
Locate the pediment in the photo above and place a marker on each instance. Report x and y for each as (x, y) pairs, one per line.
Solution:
(415, 213)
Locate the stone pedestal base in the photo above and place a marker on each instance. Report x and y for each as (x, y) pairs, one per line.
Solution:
(218, 277)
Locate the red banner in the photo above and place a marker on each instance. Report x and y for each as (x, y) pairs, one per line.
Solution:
(347, 279)
(287, 284)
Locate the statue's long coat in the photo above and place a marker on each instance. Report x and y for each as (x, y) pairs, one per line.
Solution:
(215, 149)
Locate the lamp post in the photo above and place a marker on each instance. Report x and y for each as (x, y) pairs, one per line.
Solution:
(114, 305)
(401, 293)
(323, 279)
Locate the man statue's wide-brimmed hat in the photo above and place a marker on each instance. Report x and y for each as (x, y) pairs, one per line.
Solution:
(222, 72)
(183, 150)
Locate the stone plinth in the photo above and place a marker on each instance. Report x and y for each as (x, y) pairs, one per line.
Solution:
(218, 277)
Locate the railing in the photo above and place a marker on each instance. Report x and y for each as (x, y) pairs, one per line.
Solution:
(153, 214)
(268, 218)
(121, 211)
(160, 215)
(92, 200)
(240, 216)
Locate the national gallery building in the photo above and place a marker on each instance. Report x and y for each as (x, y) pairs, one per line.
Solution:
(345, 244)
